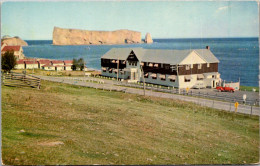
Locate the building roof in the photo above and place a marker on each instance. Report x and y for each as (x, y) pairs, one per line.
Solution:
(30, 62)
(20, 61)
(56, 61)
(68, 61)
(44, 61)
(123, 53)
(207, 55)
(159, 55)
(48, 65)
(11, 48)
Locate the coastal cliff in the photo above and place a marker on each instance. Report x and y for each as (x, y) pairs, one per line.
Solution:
(14, 41)
(84, 37)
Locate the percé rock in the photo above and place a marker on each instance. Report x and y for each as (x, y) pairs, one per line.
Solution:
(148, 38)
(84, 37)
(14, 41)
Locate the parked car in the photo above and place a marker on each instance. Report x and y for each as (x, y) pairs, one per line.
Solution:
(198, 86)
(225, 89)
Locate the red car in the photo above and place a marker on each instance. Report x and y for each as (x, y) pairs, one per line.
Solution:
(225, 89)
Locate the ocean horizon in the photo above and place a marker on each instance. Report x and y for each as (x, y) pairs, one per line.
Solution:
(239, 56)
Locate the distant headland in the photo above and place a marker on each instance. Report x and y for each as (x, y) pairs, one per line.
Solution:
(13, 41)
(63, 36)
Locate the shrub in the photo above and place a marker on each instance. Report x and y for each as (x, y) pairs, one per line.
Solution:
(8, 61)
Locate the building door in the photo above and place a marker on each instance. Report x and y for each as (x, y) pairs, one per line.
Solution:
(133, 76)
(213, 83)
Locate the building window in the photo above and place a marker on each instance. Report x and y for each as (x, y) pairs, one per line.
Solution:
(146, 75)
(213, 76)
(186, 80)
(163, 77)
(199, 66)
(154, 76)
(167, 67)
(208, 65)
(187, 67)
(191, 66)
(172, 80)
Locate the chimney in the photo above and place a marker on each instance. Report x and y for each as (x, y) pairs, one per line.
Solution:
(207, 47)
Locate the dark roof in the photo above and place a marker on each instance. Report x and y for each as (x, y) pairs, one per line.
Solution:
(159, 55)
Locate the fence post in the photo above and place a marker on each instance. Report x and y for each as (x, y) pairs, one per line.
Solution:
(199, 98)
(251, 110)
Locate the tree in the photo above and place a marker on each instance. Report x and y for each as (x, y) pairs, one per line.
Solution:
(8, 61)
(74, 64)
(78, 64)
(81, 64)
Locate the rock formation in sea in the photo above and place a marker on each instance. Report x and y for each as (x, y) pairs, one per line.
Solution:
(63, 36)
(148, 38)
(14, 41)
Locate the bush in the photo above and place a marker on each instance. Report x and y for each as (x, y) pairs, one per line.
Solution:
(8, 61)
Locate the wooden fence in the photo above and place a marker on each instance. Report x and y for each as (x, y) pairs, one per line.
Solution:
(20, 80)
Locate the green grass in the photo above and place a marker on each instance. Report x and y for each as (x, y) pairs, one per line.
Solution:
(249, 88)
(66, 124)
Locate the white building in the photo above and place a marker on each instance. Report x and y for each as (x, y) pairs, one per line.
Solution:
(18, 51)
(177, 68)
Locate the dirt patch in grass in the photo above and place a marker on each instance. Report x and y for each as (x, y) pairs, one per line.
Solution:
(55, 143)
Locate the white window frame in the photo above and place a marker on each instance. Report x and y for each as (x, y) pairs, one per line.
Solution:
(187, 67)
(208, 64)
(199, 66)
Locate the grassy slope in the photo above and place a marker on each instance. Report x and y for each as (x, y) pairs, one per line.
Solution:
(100, 127)
(249, 88)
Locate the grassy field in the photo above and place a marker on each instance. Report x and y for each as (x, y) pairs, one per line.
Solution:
(249, 88)
(65, 124)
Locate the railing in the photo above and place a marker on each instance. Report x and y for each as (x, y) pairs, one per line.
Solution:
(220, 97)
(20, 80)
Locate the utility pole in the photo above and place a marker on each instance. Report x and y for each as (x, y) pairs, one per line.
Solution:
(143, 78)
(117, 68)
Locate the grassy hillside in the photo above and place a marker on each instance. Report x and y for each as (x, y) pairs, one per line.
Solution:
(64, 124)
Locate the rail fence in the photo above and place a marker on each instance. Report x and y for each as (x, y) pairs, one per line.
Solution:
(219, 97)
(20, 80)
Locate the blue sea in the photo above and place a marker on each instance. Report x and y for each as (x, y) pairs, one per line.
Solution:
(239, 57)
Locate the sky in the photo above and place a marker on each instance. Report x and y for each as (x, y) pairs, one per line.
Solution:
(164, 19)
